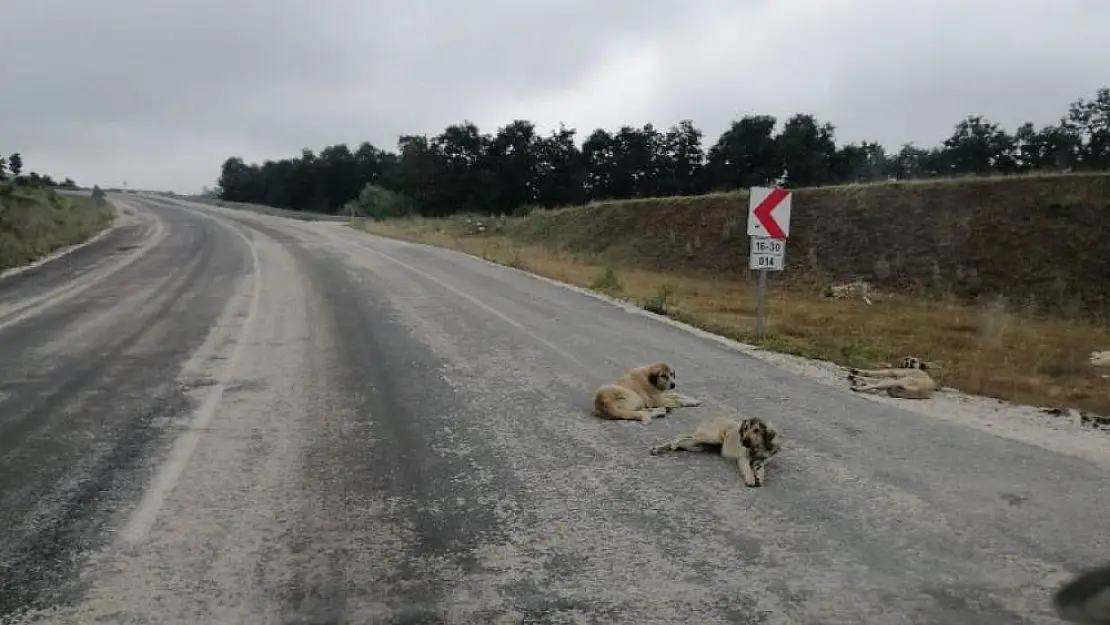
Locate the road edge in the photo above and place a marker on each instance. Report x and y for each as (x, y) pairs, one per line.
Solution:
(806, 368)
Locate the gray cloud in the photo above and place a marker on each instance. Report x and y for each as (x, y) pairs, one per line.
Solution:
(158, 93)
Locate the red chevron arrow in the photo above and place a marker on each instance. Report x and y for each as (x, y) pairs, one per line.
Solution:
(763, 212)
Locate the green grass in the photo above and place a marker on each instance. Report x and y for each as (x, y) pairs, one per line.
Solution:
(37, 222)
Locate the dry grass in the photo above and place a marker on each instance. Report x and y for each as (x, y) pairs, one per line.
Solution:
(988, 350)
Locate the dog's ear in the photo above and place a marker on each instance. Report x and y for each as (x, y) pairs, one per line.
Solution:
(653, 377)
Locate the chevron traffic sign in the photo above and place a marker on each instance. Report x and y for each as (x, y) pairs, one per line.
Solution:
(769, 212)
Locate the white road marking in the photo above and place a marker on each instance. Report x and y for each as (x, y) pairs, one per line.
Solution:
(142, 519)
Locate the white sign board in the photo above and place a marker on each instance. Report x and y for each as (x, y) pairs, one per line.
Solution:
(769, 212)
(768, 253)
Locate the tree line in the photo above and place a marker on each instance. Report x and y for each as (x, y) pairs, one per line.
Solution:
(465, 170)
(11, 171)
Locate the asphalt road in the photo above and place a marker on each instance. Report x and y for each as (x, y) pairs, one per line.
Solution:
(211, 416)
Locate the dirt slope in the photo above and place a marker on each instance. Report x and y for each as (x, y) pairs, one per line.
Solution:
(1038, 240)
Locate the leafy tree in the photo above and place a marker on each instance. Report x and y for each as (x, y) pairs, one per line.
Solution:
(1089, 122)
(512, 158)
(914, 162)
(599, 158)
(465, 181)
(15, 164)
(516, 167)
(685, 160)
(240, 182)
(807, 151)
(1051, 147)
(865, 162)
(745, 155)
(979, 146)
(560, 170)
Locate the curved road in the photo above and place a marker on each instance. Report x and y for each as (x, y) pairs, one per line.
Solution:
(213, 416)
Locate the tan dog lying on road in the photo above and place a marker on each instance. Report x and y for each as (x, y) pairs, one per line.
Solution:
(642, 393)
(906, 381)
(750, 442)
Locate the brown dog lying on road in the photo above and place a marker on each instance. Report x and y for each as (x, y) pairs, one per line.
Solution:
(750, 442)
(641, 394)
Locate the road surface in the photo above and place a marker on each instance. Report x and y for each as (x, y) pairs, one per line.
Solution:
(214, 416)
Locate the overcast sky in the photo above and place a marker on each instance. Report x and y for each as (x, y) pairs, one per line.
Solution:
(158, 93)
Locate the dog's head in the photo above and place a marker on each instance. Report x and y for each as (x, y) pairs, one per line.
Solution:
(912, 362)
(760, 437)
(661, 375)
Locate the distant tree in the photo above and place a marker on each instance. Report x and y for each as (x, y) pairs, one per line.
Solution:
(515, 168)
(465, 181)
(684, 161)
(416, 174)
(807, 150)
(339, 172)
(15, 164)
(1089, 122)
(599, 158)
(560, 170)
(512, 159)
(865, 162)
(239, 182)
(1051, 147)
(636, 162)
(914, 162)
(3, 168)
(98, 195)
(745, 155)
(978, 146)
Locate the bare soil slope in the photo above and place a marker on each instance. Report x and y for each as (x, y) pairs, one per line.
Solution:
(1038, 240)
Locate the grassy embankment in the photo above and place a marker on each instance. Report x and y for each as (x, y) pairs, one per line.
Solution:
(37, 222)
(1004, 282)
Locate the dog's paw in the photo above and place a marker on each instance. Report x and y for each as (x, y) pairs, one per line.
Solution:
(658, 450)
(692, 403)
(754, 483)
(660, 412)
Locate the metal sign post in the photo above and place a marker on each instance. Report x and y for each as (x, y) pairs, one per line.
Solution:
(768, 232)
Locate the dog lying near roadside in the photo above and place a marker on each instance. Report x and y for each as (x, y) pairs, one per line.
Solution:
(908, 380)
(750, 442)
(641, 394)
(858, 288)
